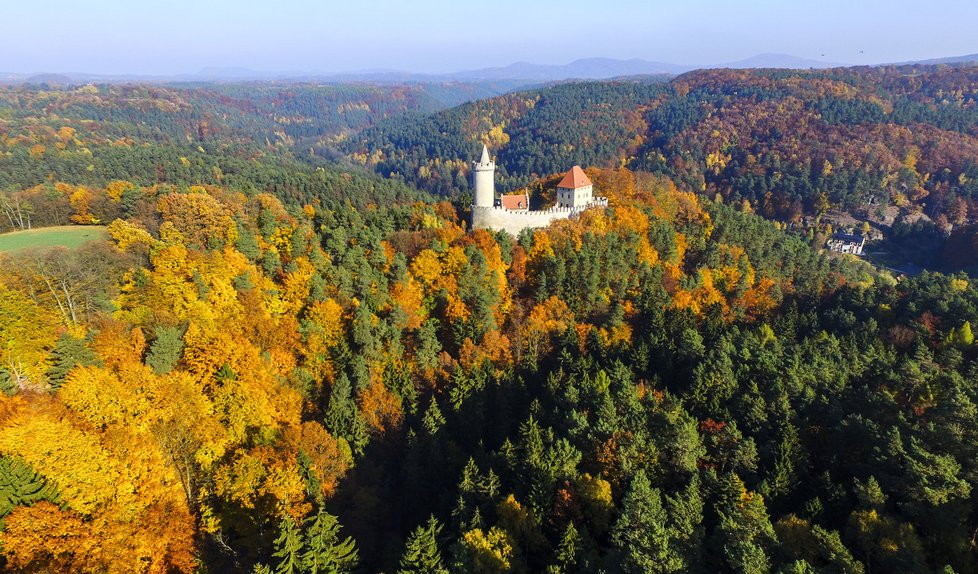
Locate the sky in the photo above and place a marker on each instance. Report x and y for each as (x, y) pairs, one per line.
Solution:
(163, 37)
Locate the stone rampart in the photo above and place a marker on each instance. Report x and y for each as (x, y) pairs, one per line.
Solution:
(513, 222)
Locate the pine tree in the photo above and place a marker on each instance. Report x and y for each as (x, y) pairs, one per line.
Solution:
(19, 484)
(246, 242)
(745, 532)
(325, 552)
(421, 554)
(433, 419)
(69, 352)
(685, 524)
(567, 551)
(640, 534)
(288, 548)
(165, 350)
(342, 418)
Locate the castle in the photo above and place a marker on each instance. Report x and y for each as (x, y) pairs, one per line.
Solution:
(511, 213)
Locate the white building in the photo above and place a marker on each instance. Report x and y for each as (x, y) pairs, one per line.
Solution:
(575, 190)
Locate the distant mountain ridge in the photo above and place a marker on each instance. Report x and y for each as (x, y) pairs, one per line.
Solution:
(966, 59)
(583, 69)
(513, 76)
(785, 61)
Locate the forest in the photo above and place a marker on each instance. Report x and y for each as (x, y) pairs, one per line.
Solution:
(888, 144)
(284, 363)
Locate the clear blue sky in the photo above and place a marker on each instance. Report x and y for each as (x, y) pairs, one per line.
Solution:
(176, 36)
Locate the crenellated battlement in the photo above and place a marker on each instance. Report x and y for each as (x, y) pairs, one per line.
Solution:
(513, 222)
(556, 209)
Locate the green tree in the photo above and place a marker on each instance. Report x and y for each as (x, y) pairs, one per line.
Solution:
(342, 418)
(421, 554)
(165, 350)
(685, 511)
(69, 352)
(288, 548)
(566, 557)
(745, 533)
(325, 553)
(640, 533)
(19, 484)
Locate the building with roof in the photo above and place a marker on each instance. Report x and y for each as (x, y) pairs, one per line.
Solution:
(512, 213)
(847, 243)
(575, 190)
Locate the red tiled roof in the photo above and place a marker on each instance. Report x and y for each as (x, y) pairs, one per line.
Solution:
(515, 201)
(575, 179)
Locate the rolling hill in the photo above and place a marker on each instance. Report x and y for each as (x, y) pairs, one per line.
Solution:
(789, 142)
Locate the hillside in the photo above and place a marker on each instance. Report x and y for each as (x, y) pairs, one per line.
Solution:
(533, 134)
(850, 138)
(63, 149)
(94, 133)
(668, 376)
(884, 144)
(274, 362)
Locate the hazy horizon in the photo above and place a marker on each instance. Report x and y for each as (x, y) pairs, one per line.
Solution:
(437, 36)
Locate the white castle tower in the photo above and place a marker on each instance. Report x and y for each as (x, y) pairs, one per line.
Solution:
(483, 180)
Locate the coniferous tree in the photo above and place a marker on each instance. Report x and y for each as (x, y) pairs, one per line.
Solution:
(745, 532)
(324, 552)
(288, 548)
(566, 556)
(685, 511)
(165, 350)
(421, 554)
(69, 352)
(342, 418)
(20, 484)
(640, 534)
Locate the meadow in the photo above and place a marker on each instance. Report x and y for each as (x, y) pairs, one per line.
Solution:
(70, 236)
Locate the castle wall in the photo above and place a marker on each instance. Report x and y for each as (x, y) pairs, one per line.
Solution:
(513, 222)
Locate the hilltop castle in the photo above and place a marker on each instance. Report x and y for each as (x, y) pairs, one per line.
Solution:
(511, 213)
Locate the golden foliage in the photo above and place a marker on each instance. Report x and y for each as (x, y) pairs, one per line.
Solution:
(101, 398)
(491, 551)
(329, 458)
(380, 407)
(27, 334)
(201, 219)
(127, 234)
(86, 476)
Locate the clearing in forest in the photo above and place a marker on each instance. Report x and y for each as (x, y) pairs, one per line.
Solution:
(70, 236)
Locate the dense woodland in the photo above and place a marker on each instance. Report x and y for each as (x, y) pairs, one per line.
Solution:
(790, 143)
(278, 365)
(844, 137)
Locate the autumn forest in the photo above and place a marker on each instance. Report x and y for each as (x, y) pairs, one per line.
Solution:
(285, 350)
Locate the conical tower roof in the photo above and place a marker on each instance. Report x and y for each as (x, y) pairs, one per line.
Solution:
(575, 179)
(485, 155)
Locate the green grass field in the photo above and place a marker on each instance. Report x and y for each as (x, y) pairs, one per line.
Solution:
(70, 236)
